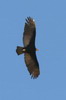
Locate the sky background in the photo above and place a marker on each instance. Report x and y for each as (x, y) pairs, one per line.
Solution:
(15, 81)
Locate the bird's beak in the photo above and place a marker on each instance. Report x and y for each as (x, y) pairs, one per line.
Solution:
(37, 49)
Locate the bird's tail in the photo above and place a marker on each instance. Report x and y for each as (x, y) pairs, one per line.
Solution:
(19, 50)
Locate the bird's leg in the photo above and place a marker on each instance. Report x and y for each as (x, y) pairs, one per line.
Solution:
(24, 50)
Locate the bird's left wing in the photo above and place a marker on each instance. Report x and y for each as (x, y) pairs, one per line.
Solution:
(32, 64)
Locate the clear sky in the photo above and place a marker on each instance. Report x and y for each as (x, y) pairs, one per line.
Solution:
(15, 81)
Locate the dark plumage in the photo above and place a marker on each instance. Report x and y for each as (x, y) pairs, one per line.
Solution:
(29, 48)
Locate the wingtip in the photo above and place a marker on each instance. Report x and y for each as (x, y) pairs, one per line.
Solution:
(35, 74)
(29, 18)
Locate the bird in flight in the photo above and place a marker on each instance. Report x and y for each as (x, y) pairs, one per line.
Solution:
(29, 49)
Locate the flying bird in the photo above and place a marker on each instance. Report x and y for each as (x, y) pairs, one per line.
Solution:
(29, 48)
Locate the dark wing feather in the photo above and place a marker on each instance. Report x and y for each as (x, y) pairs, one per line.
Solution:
(32, 64)
(29, 32)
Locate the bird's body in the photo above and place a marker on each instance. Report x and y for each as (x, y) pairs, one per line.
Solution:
(29, 48)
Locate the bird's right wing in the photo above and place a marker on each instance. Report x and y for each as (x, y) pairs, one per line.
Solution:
(32, 64)
(29, 32)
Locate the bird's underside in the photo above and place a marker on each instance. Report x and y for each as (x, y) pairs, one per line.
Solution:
(29, 49)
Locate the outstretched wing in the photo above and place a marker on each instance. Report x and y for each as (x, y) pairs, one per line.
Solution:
(29, 32)
(32, 64)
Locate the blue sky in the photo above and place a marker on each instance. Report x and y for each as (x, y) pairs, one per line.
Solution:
(15, 81)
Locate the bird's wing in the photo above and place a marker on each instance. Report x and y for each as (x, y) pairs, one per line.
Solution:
(32, 64)
(29, 32)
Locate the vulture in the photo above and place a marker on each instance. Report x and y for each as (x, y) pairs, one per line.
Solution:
(29, 49)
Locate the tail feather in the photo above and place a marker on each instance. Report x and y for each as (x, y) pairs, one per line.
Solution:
(19, 50)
